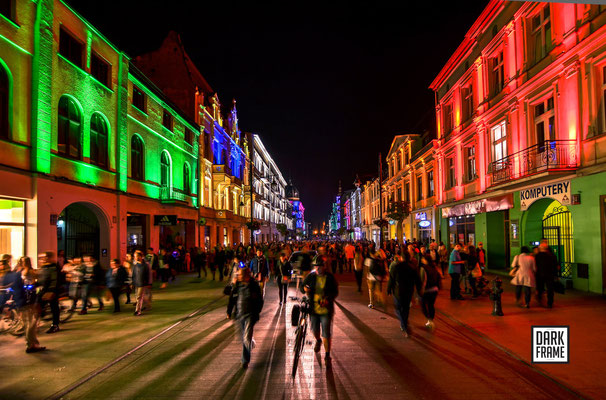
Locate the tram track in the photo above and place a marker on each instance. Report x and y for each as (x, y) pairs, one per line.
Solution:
(150, 343)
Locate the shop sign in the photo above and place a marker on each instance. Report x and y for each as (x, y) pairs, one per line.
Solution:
(165, 220)
(497, 203)
(425, 224)
(559, 191)
(421, 216)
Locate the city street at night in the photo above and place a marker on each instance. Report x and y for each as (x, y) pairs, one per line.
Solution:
(200, 356)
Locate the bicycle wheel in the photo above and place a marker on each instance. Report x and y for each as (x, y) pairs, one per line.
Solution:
(65, 310)
(297, 350)
(16, 324)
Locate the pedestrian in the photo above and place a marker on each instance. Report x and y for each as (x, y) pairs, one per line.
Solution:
(128, 266)
(115, 278)
(283, 277)
(259, 267)
(200, 262)
(164, 267)
(443, 253)
(359, 267)
(523, 271)
(247, 302)
(94, 282)
(140, 280)
(403, 278)
(50, 278)
(431, 283)
(22, 282)
(322, 289)
(350, 253)
(454, 270)
(481, 256)
(472, 263)
(547, 273)
(153, 260)
(374, 278)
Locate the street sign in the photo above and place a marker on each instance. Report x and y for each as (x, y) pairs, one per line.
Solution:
(165, 220)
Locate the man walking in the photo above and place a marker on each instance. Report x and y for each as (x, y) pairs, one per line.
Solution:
(259, 267)
(322, 289)
(350, 251)
(403, 277)
(247, 299)
(454, 270)
(547, 272)
(50, 279)
(140, 280)
(283, 275)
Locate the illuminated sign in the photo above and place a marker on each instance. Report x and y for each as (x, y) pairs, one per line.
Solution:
(421, 216)
(559, 191)
(425, 224)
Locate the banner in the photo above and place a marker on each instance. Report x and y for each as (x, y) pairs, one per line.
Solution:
(559, 191)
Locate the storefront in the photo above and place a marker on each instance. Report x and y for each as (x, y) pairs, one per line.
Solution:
(136, 231)
(12, 227)
(424, 226)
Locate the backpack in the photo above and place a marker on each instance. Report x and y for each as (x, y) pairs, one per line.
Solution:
(376, 267)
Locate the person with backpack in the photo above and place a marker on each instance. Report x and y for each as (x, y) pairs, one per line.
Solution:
(431, 283)
(376, 275)
(403, 278)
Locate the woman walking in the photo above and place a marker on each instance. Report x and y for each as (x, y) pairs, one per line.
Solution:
(523, 272)
(431, 282)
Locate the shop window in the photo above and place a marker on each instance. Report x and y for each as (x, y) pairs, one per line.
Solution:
(186, 179)
(544, 123)
(430, 184)
(497, 72)
(467, 101)
(167, 120)
(98, 141)
(139, 99)
(462, 230)
(164, 170)
(12, 227)
(540, 25)
(137, 158)
(5, 108)
(100, 69)
(471, 164)
(69, 128)
(499, 145)
(71, 48)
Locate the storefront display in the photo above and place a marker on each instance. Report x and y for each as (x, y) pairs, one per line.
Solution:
(12, 227)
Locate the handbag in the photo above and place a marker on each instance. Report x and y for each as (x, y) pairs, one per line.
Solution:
(227, 290)
(476, 272)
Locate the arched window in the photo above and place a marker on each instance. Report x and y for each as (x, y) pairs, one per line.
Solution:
(186, 179)
(136, 158)
(98, 141)
(4, 104)
(164, 170)
(69, 128)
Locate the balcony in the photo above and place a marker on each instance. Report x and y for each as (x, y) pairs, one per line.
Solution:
(168, 195)
(551, 155)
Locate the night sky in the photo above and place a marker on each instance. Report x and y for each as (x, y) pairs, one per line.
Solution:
(325, 86)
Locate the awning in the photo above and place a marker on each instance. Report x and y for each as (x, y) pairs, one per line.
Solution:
(491, 204)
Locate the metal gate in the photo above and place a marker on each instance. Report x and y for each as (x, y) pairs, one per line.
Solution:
(557, 229)
(81, 237)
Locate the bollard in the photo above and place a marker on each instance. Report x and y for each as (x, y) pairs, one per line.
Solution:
(495, 296)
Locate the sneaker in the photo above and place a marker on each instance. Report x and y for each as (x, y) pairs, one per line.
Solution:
(318, 346)
(35, 349)
(371, 306)
(244, 365)
(136, 314)
(53, 329)
(404, 333)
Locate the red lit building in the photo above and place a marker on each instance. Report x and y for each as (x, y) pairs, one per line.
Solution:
(521, 123)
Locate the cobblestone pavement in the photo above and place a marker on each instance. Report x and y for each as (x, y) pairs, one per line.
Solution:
(200, 358)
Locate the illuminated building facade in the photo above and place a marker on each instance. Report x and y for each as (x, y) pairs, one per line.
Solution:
(369, 210)
(298, 211)
(521, 123)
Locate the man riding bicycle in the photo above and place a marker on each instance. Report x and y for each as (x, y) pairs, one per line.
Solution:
(321, 288)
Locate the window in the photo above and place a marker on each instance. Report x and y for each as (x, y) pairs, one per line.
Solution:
(544, 123)
(499, 145)
(69, 125)
(471, 164)
(419, 187)
(7, 8)
(167, 120)
(136, 158)
(430, 184)
(541, 33)
(4, 104)
(98, 141)
(70, 48)
(603, 94)
(448, 118)
(207, 145)
(139, 99)
(467, 100)
(189, 137)
(406, 159)
(497, 70)
(406, 191)
(186, 179)
(12, 227)
(452, 179)
(100, 69)
(164, 170)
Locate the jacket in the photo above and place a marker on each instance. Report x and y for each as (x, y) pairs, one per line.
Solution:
(140, 274)
(452, 267)
(14, 280)
(246, 299)
(526, 270)
(284, 270)
(259, 267)
(403, 278)
(547, 265)
(50, 278)
(116, 280)
(331, 290)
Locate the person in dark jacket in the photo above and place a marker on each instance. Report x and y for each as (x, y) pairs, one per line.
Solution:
(140, 279)
(245, 304)
(283, 276)
(403, 277)
(431, 282)
(259, 267)
(322, 289)
(116, 278)
(94, 279)
(547, 273)
(52, 284)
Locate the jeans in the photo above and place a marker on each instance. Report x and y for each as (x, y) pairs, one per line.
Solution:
(116, 296)
(474, 288)
(526, 293)
(359, 279)
(428, 301)
(455, 288)
(30, 317)
(140, 290)
(541, 284)
(91, 290)
(372, 286)
(282, 289)
(54, 306)
(402, 308)
(246, 329)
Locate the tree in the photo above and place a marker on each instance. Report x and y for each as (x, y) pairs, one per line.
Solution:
(283, 229)
(398, 211)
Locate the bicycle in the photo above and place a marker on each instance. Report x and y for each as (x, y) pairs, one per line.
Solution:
(299, 318)
(10, 318)
(66, 309)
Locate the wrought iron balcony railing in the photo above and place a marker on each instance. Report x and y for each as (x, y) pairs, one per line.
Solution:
(551, 155)
(167, 194)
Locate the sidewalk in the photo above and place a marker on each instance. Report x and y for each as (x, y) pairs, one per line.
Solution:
(87, 342)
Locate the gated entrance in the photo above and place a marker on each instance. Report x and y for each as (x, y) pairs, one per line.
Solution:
(78, 232)
(558, 230)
